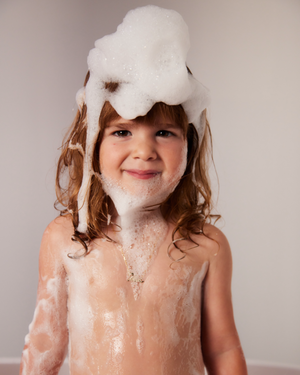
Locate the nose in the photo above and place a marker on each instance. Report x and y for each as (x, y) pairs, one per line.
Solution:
(144, 149)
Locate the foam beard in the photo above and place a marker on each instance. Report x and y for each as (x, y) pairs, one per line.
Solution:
(146, 56)
(141, 195)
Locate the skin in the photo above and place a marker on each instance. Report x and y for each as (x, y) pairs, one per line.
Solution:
(139, 152)
(183, 317)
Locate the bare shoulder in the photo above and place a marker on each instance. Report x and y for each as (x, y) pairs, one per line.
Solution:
(214, 244)
(57, 238)
(216, 236)
(61, 226)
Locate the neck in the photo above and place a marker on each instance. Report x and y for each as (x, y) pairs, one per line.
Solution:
(142, 218)
(141, 235)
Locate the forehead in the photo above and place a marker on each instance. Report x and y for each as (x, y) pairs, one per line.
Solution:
(142, 121)
(160, 112)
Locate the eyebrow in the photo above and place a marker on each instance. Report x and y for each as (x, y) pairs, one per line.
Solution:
(168, 124)
(118, 122)
(123, 123)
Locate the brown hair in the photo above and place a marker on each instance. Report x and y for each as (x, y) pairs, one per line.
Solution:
(188, 207)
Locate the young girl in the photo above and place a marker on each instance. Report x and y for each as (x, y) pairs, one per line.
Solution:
(133, 278)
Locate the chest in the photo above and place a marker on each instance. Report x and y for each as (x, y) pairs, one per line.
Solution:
(101, 278)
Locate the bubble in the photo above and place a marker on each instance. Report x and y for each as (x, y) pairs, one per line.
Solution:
(147, 57)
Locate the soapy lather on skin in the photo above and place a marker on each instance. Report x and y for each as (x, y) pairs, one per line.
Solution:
(146, 56)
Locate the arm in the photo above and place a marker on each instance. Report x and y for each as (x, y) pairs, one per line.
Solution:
(222, 350)
(46, 344)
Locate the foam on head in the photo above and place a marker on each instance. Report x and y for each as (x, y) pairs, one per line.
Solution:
(146, 56)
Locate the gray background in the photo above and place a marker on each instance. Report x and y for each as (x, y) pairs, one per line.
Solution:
(247, 53)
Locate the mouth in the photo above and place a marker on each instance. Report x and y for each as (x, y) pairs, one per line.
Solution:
(142, 175)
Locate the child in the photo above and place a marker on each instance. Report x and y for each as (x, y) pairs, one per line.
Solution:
(133, 278)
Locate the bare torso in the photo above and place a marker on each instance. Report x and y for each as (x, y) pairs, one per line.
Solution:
(110, 332)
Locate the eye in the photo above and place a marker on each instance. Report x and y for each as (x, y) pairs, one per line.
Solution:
(122, 133)
(164, 133)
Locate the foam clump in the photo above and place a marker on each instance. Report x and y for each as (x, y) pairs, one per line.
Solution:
(147, 56)
(130, 200)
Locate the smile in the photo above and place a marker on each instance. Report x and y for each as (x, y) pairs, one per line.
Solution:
(142, 175)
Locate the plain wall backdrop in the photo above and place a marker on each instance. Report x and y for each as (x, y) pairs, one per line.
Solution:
(247, 53)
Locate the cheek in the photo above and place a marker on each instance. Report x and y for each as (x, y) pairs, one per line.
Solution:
(104, 160)
(110, 158)
(177, 157)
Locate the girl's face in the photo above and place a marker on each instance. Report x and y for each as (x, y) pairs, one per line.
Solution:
(136, 155)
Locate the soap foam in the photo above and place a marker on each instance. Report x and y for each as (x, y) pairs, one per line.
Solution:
(42, 339)
(115, 331)
(178, 314)
(141, 194)
(140, 332)
(143, 228)
(142, 231)
(147, 57)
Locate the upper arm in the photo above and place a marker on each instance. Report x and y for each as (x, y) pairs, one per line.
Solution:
(46, 343)
(219, 334)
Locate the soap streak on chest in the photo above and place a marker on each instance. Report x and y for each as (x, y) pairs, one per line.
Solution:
(96, 280)
(101, 304)
(176, 301)
(176, 319)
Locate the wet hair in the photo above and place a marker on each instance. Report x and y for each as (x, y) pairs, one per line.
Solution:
(188, 207)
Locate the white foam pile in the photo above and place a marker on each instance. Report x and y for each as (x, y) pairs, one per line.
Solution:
(129, 200)
(147, 57)
(143, 230)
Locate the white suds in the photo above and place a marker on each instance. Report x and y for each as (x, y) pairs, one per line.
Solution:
(142, 229)
(42, 340)
(131, 200)
(80, 98)
(115, 331)
(140, 332)
(147, 57)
